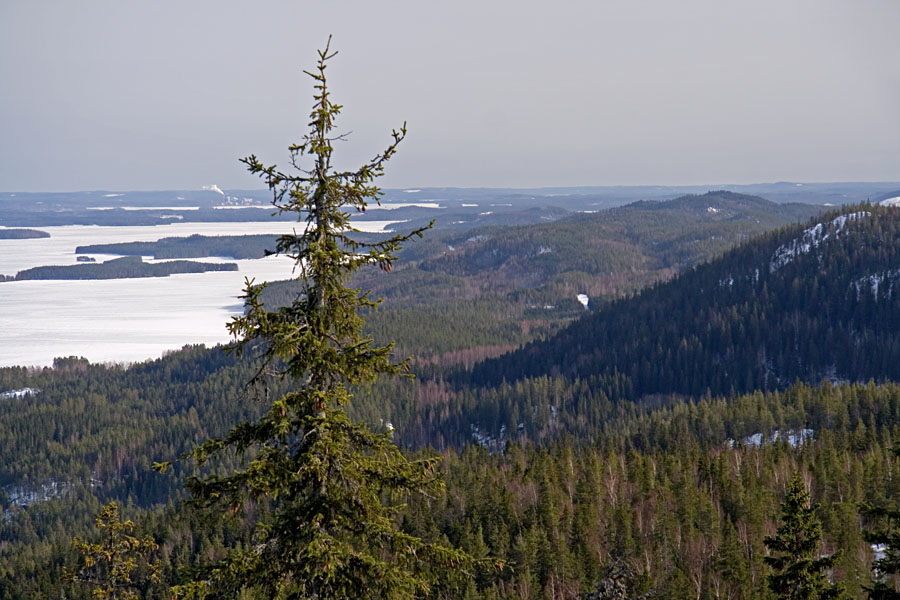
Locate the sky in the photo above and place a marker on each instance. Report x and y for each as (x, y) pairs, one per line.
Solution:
(113, 95)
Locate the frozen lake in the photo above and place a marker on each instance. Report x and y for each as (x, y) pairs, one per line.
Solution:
(123, 320)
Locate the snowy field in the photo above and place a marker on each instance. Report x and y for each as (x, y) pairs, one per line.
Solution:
(123, 320)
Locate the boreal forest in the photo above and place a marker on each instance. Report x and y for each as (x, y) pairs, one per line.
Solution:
(690, 399)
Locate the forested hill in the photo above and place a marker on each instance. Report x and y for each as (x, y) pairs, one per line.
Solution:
(458, 296)
(617, 250)
(812, 301)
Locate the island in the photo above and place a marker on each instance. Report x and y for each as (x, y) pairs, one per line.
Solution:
(22, 234)
(126, 267)
(194, 246)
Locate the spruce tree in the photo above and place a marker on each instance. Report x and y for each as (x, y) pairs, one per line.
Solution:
(799, 573)
(107, 566)
(887, 537)
(329, 489)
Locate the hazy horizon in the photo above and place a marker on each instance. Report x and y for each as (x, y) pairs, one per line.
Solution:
(104, 95)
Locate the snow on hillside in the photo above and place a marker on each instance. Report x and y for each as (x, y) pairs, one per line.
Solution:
(793, 438)
(810, 239)
(878, 281)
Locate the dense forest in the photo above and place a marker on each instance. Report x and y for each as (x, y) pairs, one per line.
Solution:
(564, 467)
(809, 302)
(684, 494)
(461, 296)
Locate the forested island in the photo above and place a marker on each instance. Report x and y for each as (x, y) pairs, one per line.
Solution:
(127, 267)
(22, 234)
(237, 247)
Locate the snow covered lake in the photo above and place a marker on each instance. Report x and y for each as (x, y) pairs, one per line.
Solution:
(124, 320)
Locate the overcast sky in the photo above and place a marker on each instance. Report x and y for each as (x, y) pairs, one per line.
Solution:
(517, 93)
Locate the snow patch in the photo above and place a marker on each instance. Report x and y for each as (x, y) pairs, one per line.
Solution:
(583, 298)
(412, 191)
(19, 394)
(894, 202)
(544, 250)
(793, 438)
(464, 205)
(876, 281)
(810, 239)
(112, 195)
(22, 495)
(711, 210)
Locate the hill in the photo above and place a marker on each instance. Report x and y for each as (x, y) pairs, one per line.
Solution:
(805, 302)
(461, 296)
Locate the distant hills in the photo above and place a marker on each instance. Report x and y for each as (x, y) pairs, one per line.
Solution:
(456, 208)
(489, 289)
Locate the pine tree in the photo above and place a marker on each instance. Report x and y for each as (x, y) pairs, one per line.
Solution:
(107, 566)
(887, 538)
(330, 488)
(798, 573)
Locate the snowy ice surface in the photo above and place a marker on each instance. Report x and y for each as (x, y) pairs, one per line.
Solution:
(124, 320)
(396, 205)
(810, 238)
(144, 207)
(583, 298)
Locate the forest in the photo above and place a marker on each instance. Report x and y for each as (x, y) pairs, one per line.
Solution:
(720, 419)
(559, 475)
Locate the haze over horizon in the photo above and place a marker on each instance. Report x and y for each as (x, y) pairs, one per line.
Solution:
(108, 96)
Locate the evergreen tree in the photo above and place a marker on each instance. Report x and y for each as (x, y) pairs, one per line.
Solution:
(888, 539)
(329, 489)
(107, 566)
(798, 573)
